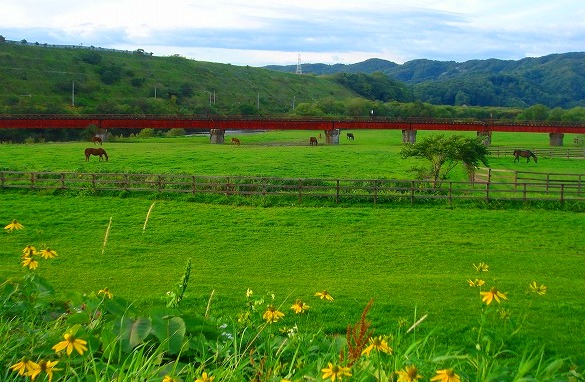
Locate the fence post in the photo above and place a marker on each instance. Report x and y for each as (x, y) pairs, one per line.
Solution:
(547, 181)
(300, 191)
(337, 191)
(93, 180)
(487, 192)
(2, 179)
(376, 191)
(562, 193)
(32, 180)
(524, 192)
(412, 192)
(193, 184)
(450, 194)
(62, 180)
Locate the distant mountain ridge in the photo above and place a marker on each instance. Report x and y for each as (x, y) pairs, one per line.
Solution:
(556, 80)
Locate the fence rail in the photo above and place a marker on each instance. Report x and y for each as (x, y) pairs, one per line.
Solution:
(338, 190)
(550, 152)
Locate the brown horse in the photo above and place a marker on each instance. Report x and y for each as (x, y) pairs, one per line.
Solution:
(96, 140)
(235, 141)
(97, 152)
(526, 154)
(313, 141)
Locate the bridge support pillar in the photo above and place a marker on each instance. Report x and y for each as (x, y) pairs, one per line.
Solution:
(486, 137)
(217, 136)
(556, 139)
(332, 136)
(408, 136)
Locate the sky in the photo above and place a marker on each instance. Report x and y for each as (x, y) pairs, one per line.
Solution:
(282, 32)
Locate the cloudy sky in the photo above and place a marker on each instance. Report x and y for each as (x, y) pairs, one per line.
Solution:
(258, 32)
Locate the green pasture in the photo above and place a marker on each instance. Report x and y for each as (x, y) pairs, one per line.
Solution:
(411, 260)
(373, 155)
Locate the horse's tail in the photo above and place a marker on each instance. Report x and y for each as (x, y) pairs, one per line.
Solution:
(106, 155)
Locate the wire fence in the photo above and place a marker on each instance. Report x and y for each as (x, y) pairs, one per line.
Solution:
(489, 185)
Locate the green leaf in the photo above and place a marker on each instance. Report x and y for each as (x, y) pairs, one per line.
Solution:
(170, 331)
(133, 332)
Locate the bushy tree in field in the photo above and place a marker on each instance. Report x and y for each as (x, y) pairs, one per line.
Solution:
(440, 150)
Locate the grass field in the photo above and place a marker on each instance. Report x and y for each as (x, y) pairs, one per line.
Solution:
(407, 258)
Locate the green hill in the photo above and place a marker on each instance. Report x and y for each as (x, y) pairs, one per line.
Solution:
(556, 80)
(49, 80)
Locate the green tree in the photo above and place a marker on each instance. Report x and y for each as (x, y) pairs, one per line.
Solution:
(450, 151)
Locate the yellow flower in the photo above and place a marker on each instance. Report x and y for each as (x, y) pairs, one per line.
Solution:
(493, 293)
(475, 283)
(71, 343)
(46, 366)
(48, 253)
(29, 251)
(408, 374)
(30, 263)
(205, 378)
(538, 289)
(481, 267)
(106, 292)
(446, 375)
(378, 343)
(169, 379)
(334, 371)
(324, 295)
(12, 226)
(272, 315)
(23, 366)
(249, 293)
(299, 307)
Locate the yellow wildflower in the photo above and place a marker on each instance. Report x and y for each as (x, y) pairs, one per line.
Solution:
(29, 251)
(205, 378)
(475, 283)
(272, 314)
(408, 374)
(492, 294)
(23, 366)
(29, 262)
(169, 379)
(334, 372)
(538, 289)
(46, 366)
(48, 253)
(106, 292)
(378, 343)
(446, 375)
(299, 307)
(71, 343)
(249, 293)
(12, 226)
(324, 295)
(481, 267)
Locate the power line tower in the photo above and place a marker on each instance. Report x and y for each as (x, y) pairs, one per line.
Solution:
(299, 68)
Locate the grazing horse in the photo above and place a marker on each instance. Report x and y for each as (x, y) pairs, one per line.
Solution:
(97, 152)
(235, 141)
(350, 137)
(96, 140)
(524, 153)
(313, 141)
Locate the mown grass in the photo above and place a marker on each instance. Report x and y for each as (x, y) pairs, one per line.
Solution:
(405, 258)
(374, 155)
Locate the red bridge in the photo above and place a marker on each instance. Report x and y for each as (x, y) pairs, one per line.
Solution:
(280, 123)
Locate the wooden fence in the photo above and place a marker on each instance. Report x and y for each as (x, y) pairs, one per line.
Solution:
(338, 190)
(550, 152)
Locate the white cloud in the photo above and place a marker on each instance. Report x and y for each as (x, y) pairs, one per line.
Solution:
(259, 33)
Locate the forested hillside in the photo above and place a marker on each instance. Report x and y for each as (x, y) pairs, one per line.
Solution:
(556, 80)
